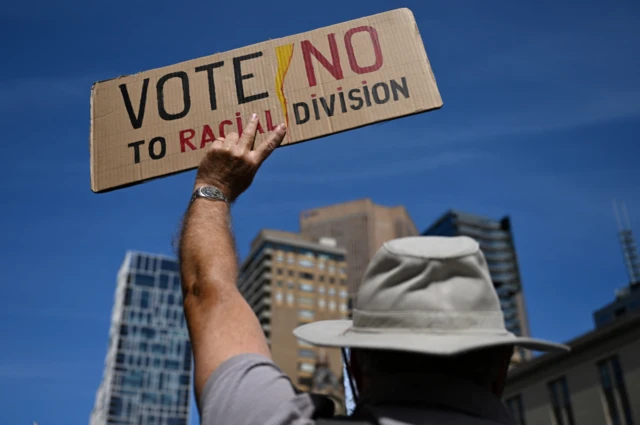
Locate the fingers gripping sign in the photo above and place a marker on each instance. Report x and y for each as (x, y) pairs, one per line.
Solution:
(231, 164)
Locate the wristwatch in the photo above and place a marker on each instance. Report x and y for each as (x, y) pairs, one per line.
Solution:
(209, 192)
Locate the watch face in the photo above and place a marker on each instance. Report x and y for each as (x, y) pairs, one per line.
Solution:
(209, 191)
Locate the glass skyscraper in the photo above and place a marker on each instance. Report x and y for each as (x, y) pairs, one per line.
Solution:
(147, 375)
(496, 241)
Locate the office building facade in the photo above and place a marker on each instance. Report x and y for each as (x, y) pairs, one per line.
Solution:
(147, 375)
(597, 382)
(496, 241)
(361, 227)
(289, 280)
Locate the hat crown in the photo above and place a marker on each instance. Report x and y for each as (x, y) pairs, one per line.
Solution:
(428, 282)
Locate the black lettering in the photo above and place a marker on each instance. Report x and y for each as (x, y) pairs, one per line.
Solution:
(136, 122)
(316, 110)
(367, 97)
(237, 71)
(395, 88)
(355, 98)
(296, 108)
(343, 104)
(163, 147)
(328, 109)
(376, 94)
(212, 85)
(185, 96)
(136, 150)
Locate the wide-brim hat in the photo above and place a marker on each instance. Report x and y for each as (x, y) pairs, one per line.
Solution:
(424, 294)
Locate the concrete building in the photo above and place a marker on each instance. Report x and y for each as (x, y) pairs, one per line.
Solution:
(289, 279)
(496, 241)
(597, 383)
(361, 227)
(147, 374)
(627, 302)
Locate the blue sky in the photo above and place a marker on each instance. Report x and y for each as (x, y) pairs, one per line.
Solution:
(540, 121)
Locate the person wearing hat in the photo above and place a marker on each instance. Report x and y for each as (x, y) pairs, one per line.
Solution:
(428, 341)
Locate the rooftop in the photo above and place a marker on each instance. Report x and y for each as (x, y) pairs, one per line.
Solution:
(578, 345)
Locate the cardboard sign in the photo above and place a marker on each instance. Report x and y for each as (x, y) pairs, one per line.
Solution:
(325, 81)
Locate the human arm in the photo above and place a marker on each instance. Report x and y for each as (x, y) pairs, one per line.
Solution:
(221, 323)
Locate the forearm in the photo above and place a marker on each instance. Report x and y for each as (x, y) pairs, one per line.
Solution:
(208, 260)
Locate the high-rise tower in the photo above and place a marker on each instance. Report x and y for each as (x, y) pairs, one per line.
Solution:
(147, 374)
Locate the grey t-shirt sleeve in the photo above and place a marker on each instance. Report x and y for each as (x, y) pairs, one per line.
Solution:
(249, 389)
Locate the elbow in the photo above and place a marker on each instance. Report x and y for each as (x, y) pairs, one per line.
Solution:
(200, 290)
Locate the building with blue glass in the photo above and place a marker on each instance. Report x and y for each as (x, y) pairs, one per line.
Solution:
(147, 375)
(496, 241)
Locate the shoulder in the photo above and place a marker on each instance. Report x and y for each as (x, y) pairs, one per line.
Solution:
(250, 389)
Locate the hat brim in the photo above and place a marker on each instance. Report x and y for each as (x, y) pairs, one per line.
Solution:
(339, 333)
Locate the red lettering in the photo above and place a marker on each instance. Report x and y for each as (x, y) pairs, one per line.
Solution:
(353, 63)
(207, 136)
(260, 130)
(186, 139)
(239, 123)
(270, 126)
(222, 125)
(333, 67)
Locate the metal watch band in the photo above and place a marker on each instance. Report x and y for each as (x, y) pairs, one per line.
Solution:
(208, 192)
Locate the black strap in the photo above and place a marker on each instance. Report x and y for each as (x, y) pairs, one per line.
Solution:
(361, 416)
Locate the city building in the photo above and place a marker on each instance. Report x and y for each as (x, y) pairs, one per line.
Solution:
(288, 280)
(147, 374)
(627, 301)
(361, 227)
(496, 241)
(597, 382)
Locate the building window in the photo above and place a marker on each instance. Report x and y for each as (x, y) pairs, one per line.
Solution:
(279, 284)
(291, 259)
(307, 354)
(164, 281)
(332, 269)
(343, 293)
(612, 381)
(290, 299)
(332, 291)
(561, 402)
(321, 265)
(306, 367)
(322, 303)
(331, 280)
(290, 272)
(279, 297)
(278, 271)
(516, 408)
(306, 287)
(305, 275)
(343, 307)
(145, 280)
(290, 284)
(305, 314)
(306, 301)
(332, 305)
(305, 262)
(279, 257)
(321, 289)
(321, 278)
